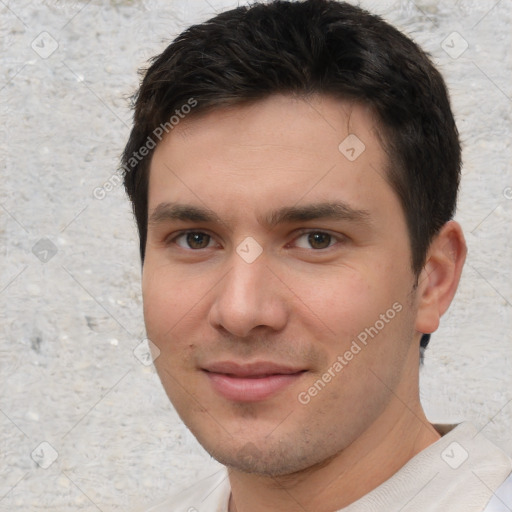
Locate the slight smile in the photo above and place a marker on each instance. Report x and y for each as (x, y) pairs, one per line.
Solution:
(250, 382)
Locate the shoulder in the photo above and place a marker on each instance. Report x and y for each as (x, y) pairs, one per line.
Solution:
(478, 466)
(210, 494)
(502, 498)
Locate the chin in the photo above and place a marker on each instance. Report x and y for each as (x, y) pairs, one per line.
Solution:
(266, 457)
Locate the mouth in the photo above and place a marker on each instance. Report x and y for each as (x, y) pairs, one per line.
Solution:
(250, 382)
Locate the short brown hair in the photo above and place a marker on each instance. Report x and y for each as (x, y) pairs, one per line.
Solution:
(304, 48)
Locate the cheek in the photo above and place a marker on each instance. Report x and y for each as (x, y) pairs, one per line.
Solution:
(175, 309)
(343, 304)
(156, 305)
(165, 301)
(168, 306)
(339, 300)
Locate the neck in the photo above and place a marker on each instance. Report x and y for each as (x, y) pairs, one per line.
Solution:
(400, 433)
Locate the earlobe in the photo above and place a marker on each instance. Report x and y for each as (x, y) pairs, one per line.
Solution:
(440, 276)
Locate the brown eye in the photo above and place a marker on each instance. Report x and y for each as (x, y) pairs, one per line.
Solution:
(193, 240)
(198, 240)
(319, 240)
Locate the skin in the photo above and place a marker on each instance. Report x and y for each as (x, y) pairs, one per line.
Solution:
(300, 303)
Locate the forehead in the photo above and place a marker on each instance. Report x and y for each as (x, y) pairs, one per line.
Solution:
(281, 150)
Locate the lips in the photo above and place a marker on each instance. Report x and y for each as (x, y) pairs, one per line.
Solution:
(250, 382)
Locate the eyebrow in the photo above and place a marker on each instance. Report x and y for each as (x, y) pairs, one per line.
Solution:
(340, 211)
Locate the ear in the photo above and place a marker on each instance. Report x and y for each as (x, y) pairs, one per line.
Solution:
(438, 281)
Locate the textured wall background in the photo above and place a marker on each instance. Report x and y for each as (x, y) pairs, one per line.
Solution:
(71, 312)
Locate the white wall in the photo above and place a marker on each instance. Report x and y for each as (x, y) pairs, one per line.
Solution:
(68, 375)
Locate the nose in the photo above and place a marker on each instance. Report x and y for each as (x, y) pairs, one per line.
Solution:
(250, 296)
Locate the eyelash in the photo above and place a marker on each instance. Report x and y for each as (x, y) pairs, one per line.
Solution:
(334, 238)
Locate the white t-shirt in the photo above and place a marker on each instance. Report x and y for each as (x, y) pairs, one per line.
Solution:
(461, 472)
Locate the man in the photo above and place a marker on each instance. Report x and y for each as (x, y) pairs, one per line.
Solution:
(293, 169)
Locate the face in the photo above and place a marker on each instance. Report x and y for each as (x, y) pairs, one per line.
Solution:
(277, 281)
